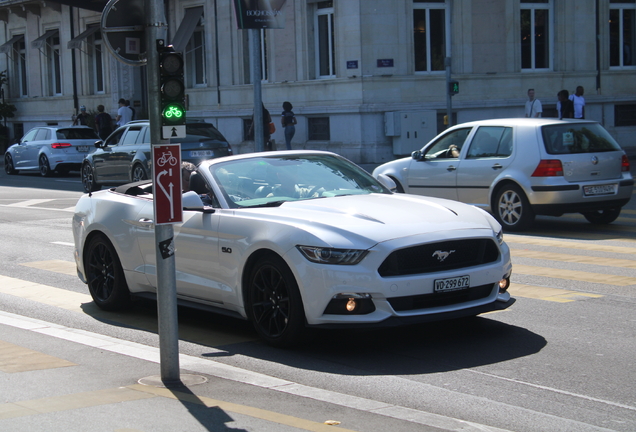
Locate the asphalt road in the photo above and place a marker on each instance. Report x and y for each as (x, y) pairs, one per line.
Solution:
(561, 359)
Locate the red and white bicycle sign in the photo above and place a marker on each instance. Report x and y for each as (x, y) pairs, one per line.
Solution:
(167, 158)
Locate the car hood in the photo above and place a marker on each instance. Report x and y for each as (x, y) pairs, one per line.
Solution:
(376, 218)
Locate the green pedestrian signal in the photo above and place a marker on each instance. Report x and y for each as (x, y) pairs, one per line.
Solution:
(453, 87)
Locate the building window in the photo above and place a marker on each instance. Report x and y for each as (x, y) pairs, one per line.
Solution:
(325, 51)
(247, 60)
(96, 61)
(429, 35)
(536, 34)
(625, 115)
(195, 57)
(20, 68)
(318, 129)
(622, 30)
(54, 65)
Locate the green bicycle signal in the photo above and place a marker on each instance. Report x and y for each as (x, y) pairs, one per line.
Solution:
(173, 113)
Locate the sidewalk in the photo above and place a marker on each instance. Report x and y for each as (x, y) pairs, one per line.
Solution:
(56, 378)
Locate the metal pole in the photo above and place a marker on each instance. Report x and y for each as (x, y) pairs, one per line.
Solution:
(449, 97)
(166, 269)
(255, 57)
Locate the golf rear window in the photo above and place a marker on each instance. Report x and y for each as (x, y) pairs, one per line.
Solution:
(577, 138)
(76, 134)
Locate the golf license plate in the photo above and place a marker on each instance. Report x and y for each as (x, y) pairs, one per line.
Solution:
(452, 284)
(201, 153)
(608, 189)
(82, 149)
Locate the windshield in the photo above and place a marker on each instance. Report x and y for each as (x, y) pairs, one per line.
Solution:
(578, 138)
(272, 181)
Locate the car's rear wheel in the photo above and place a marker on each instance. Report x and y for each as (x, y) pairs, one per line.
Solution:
(274, 303)
(88, 179)
(138, 173)
(45, 168)
(9, 168)
(603, 217)
(106, 281)
(512, 208)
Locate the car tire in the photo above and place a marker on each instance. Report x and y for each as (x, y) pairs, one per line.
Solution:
(398, 185)
(45, 167)
(274, 303)
(138, 173)
(106, 282)
(512, 208)
(9, 168)
(602, 217)
(88, 179)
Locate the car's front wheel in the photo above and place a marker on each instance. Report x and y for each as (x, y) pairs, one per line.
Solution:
(9, 168)
(138, 173)
(105, 275)
(603, 217)
(512, 208)
(274, 303)
(88, 179)
(45, 168)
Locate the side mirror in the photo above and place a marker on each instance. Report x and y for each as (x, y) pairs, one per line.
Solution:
(99, 144)
(387, 182)
(417, 155)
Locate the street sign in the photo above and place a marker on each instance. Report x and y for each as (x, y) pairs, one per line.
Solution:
(166, 160)
(123, 30)
(168, 132)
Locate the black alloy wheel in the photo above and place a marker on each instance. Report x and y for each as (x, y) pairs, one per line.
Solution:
(9, 168)
(274, 303)
(45, 168)
(138, 173)
(105, 275)
(88, 179)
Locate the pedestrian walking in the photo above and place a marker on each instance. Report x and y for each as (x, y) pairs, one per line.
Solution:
(579, 102)
(81, 118)
(103, 123)
(288, 122)
(124, 113)
(533, 106)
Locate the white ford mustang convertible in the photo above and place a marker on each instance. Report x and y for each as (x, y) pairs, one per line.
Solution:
(297, 239)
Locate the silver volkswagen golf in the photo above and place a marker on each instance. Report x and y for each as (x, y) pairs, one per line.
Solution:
(519, 168)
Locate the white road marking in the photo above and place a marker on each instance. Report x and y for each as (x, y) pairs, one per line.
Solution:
(63, 243)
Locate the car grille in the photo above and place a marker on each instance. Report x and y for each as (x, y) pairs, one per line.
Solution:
(424, 301)
(438, 257)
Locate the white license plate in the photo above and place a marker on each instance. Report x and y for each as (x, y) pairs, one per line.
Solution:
(82, 149)
(452, 284)
(609, 189)
(201, 153)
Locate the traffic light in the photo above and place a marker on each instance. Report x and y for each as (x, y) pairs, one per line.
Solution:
(171, 87)
(453, 87)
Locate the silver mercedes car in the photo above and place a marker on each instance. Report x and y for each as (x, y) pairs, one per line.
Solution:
(518, 168)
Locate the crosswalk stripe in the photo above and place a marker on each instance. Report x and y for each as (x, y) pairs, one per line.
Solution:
(541, 241)
(58, 266)
(30, 202)
(581, 276)
(14, 358)
(579, 259)
(548, 294)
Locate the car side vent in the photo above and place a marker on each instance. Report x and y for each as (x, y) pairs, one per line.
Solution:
(438, 257)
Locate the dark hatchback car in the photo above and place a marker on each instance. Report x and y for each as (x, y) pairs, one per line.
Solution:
(126, 155)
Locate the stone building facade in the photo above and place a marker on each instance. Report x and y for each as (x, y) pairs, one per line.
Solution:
(367, 78)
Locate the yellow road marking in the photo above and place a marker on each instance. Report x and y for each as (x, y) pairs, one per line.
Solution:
(540, 241)
(580, 259)
(70, 402)
(574, 275)
(58, 266)
(548, 294)
(14, 358)
(240, 409)
(83, 303)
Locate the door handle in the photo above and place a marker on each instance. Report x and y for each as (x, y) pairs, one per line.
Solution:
(497, 166)
(146, 223)
(451, 168)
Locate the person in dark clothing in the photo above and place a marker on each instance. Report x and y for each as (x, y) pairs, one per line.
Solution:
(81, 118)
(103, 123)
(288, 121)
(267, 119)
(565, 105)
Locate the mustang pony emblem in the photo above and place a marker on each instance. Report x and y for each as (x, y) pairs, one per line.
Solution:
(442, 255)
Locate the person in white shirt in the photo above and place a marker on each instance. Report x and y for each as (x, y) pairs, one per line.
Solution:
(579, 103)
(533, 106)
(124, 113)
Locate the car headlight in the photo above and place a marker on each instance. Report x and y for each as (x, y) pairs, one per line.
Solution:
(324, 255)
(499, 235)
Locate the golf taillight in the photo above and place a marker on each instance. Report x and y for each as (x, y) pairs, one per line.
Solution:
(60, 145)
(625, 164)
(548, 168)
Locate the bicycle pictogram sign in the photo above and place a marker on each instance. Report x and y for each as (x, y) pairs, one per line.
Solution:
(167, 158)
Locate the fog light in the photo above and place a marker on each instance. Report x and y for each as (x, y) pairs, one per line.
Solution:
(503, 285)
(350, 304)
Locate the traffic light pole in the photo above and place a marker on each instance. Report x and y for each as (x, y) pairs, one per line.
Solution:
(255, 61)
(164, 234)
